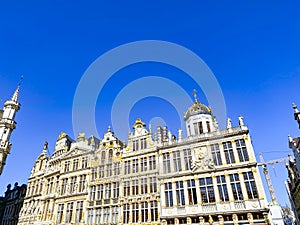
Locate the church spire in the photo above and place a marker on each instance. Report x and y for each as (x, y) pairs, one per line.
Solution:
(16, 93)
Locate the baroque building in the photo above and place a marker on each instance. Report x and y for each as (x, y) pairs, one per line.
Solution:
(293, 168)
(7, 125)
(210, 176)
(11, 204)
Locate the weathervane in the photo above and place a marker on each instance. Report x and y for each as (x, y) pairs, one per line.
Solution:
(195, 95)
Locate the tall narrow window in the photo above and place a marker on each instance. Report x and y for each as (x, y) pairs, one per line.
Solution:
(143, 164)
(105, 215)
(82, 179)
(110, 155)
(180, 193)
(79, 211)
(126, 189)
(208, 126)
(115, 215)
(67, 166)
(236, 187)
(60, 212)
(115, 190)
(250, 185)
(135, 212)
(223, 192)
(143, 143)
(107, 191)
(144, 212)
(135, 186)
(127, 167)
(196, 129)
(135, 166)
(228, 150)
(166, 162)
(102, 157)
(200, 126)
(152, 162)
(73, 184)
(207, 190)
(101, 171)
(154, 210)
(75, 164)
(192, 193)
(108, 170)
(64, 185)
(215, 151)
(177, 161)
(117, 168)
(144, 186)
(153, 185)
(187, 158)
(126, 213)
(69, 212)
(94, 174)
(99, 193)
(93, 192)
(242, 150)
(135, 145)
(168, 194)
(84, 162)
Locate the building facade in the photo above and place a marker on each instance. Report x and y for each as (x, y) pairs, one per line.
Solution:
(208, 177)
(7, 125)
(11, 204)
(293, 168)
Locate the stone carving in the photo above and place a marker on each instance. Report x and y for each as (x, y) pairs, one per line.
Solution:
(201, 160)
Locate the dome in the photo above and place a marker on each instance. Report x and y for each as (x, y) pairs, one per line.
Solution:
(196, 109)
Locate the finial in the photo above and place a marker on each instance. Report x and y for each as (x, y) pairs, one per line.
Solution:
(16, 94)
(295, 107)
(108, 129)
(45, 147)
(195, 95)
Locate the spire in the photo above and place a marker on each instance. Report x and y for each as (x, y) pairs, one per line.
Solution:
(45, 148)
(16, 94)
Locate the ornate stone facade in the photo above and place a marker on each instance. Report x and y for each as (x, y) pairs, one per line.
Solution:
(209, 177)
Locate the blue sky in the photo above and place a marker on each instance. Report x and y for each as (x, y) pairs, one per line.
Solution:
(252, 47)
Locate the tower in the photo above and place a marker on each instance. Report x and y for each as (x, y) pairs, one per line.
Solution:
(7, 125)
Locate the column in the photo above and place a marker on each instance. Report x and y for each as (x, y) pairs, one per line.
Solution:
(174, 193)
(217, 195)
(199, 198)
(236, 156)
(223, 158)
(243, 186)
(186, 194)
(162, 194)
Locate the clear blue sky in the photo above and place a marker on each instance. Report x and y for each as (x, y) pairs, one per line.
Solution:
(252, 47)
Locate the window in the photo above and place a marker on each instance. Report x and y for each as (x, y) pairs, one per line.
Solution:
(126, 188)
(102, 157)
(93, 192)
(135, 146)
(189, 128)
(143, 164)
(99, 193)
(192, 193)
(115, 190)
(101, 171)
(108, 170)
(166, 162)
(196, 129)
(67, 166)
(110, 155)
(126, 213)
(73, 184)
(236, 186)
(98, 216)
(94, 174)
(207, 190)
(64, 185)
(169, 194)
(144, 185)
(143, 143)
(187, 158)
(144, 212)
(152, 162)
(82, 179)
(135, 186)
(79, 211)
(114, 214)
(228, 150)
(84, 162)
(127, 167)
(69, 212)
(90, 217)
(105, 215)
(177, 161)
(180, 193)
(242, 150)
(135, 166)
(75, 164)
(153, 185)
(208, 126)
(200, 126)
(250, 185)
(50, 185)
(135, 212)
(107, 191)
(215, 151)
(223, 192)
(117, 168)
(154, 210)
(60, 212)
